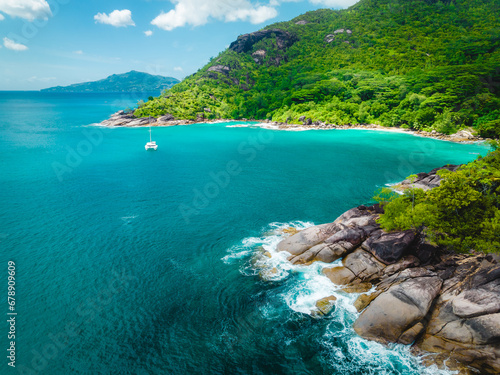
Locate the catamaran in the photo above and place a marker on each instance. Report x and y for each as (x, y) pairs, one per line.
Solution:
(151, 145)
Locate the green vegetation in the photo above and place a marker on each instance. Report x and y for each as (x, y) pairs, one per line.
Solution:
(132, 81)
(463, 213)
(419, 64)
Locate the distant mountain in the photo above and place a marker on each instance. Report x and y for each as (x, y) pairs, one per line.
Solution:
(126, 82)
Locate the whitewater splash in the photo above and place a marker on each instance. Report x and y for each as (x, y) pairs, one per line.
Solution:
(299, 287)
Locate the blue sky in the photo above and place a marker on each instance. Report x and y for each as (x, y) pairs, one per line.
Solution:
(45, 43)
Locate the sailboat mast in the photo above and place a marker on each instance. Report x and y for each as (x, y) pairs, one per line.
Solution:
(150, 128)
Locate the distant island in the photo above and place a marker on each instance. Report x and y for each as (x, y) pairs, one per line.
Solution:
(132, 81)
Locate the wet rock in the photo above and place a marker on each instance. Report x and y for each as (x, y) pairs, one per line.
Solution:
(325, 305)
(339, 275)
(357, 288)
(363, 301)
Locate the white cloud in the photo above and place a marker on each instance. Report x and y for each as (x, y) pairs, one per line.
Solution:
(1, 17)
(199, 12)
(117, 18)
(10, 44)
(148, 33)
(79, 52)
(335, 3)
(27, 9)
(178, 69)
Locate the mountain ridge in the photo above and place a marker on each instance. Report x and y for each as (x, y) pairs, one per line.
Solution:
(423, 65)
(125, 82)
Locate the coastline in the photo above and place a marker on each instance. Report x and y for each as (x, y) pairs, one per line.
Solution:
(442, 305)
(122, 119)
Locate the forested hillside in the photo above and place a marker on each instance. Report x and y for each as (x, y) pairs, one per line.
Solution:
(132, 81)
(420, 64)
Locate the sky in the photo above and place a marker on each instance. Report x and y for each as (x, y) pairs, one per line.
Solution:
(45, 43)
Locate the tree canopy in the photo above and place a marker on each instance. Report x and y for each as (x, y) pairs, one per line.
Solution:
(419, 64)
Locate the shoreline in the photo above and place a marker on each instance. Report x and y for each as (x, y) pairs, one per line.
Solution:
(408, 290)
(122, 119)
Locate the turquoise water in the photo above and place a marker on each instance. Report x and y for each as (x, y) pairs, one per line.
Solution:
(135, 262)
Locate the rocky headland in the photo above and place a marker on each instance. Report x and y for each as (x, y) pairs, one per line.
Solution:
(127, 119)
(435, 300)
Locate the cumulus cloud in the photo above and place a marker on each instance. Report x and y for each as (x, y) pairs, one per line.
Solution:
(117, 18)
(27, 9)
(199, 12)
(79, 52)
(1, 17)
(178, 69)
(148, 33)
(10, 44)
(334, 3)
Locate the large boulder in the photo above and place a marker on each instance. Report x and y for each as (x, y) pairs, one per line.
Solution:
(329, 242)
(399, 310)
(389, 247)
(357, 267)
(306, 238)
(466, 320)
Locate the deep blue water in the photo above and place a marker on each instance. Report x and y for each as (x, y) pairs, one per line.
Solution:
(135, 262)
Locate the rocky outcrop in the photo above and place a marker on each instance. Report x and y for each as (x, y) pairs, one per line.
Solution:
(259, 55)
(393, 316)
(326, 305)
(466, 318)
(436, 301)
(245, 42)
(329, 38)
(219, 68)
(426, 181)
(127, 119)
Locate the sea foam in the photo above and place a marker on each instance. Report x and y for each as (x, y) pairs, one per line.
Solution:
(299, 287)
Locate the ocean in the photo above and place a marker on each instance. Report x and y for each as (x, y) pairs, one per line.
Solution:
(135, 262)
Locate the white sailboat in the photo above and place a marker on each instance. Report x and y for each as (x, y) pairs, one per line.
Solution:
(151, 145)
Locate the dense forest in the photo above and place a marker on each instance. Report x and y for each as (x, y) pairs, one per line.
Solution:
(462, 214)
(419, 64)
